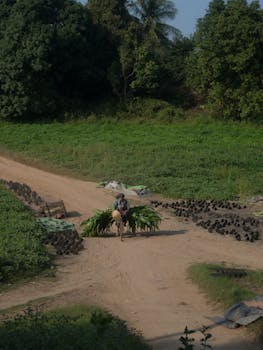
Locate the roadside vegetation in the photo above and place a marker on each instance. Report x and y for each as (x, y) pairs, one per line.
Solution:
(227, 291)
(21, 251)
(194, 159)
(78, 327)
(120, 60)
(54, 55)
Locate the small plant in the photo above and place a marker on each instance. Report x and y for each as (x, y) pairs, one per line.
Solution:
(189, 343)
(186, 340)
(204, 340)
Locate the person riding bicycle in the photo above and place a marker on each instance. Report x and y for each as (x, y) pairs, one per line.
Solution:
(122, 205)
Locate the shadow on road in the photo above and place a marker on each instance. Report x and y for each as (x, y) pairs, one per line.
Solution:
(161, 233)
(171, 342)
(73, 214)
(146, 234)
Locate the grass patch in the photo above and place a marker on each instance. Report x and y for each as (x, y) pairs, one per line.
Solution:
(77, 327)
(187, 159)
(21, 251)
(227, 291)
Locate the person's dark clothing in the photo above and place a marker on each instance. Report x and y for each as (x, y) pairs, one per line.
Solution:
(122, 205)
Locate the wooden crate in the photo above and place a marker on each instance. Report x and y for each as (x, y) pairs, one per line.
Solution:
(52, 208)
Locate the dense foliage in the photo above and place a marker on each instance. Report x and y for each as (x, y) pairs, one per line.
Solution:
(58, 54)
(79, 328)
(194, 159)
(55, 53)
(227, 62)
(21, 250)
(49, 51)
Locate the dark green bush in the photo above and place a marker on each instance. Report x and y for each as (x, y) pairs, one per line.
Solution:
(148, 109)
(79, 328)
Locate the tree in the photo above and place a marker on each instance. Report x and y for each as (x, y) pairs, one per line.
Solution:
(112, 14)
(173, 72)
(153, 14)
(227, 61)
(136, 70)
(161, 68)
(23, 64)
(144, 48)
(49, 50)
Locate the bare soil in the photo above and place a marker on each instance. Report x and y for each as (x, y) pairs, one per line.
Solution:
(142, 279)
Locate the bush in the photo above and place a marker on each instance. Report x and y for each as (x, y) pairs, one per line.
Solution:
(148, 109)
(79, 328)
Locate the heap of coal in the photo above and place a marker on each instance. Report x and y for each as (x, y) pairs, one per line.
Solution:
(24, 192)
(228, 272)
(217, 217)
(66, 242)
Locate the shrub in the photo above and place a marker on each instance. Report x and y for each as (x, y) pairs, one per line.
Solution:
(148, 109)
(79, 328)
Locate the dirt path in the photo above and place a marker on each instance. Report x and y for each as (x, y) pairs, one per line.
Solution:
(143, 280)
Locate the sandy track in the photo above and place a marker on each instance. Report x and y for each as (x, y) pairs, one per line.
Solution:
(143, 280)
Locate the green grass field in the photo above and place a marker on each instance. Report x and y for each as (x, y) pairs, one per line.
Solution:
(225, 290)
(200, 159)
(21, 251)
(228, 290)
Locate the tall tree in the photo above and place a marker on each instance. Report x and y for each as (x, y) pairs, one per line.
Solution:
(154, 14)
(227, 62)
(48, 51)
(114, 16)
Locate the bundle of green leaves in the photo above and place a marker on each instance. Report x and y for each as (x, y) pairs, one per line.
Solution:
(141, 218)
(98, 224)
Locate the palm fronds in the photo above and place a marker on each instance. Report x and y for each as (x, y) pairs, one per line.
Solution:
(98, 224)
(141, 218)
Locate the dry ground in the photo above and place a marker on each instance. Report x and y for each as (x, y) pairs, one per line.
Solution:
(143, 279)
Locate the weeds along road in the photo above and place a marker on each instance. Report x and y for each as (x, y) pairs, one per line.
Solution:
(142, 280)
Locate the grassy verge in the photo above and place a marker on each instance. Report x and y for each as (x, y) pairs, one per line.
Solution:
(227, 291)
(21, 251)
(197, 159)
(78, 327)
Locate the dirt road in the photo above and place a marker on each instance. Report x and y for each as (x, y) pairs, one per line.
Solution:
(142, 280)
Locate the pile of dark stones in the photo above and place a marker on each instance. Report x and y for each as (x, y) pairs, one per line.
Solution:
(65, 242)
(222, 217)
(24, 192)
(228, 272)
